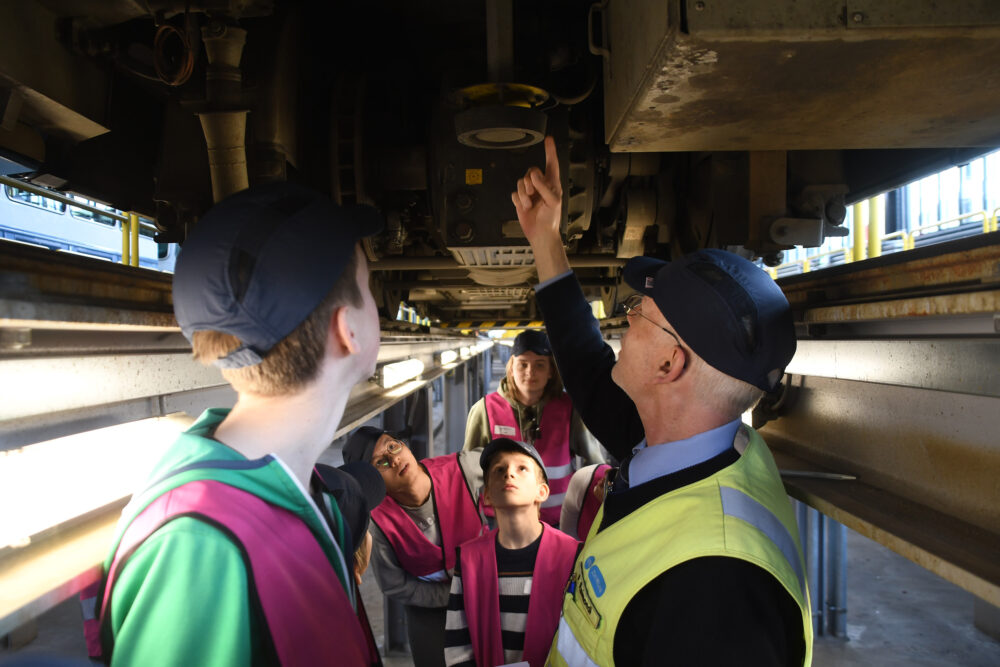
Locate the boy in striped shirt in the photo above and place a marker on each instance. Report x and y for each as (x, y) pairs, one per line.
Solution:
(508, 584)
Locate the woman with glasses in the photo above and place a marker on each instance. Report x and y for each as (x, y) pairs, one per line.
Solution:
(531, 406)
(429, 509)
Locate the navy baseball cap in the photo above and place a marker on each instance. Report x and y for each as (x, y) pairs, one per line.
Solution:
(531, 340)
(726, 308)
(494, 447)
(258, 263)
(358, 489)
(361, 444)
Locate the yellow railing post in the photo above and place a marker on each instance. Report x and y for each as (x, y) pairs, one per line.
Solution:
(125, 241)
(133, 223)
(859, 234)
(875, 227)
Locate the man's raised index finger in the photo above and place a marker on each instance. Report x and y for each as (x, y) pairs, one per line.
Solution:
(551, 160)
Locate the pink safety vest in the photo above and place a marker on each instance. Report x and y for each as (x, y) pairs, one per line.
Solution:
(588, 511)
(553, 445)
(480, 592)
(309, 616)
(457, 517)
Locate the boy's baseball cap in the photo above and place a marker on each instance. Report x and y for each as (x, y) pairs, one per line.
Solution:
(258, 263)
(361, 444)
(494, 447)
(726, 308)
(531, 340)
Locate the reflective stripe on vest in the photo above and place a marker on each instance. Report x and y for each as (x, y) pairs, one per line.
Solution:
(742, 506)
(591, 502)
(569, 648)
(741, 511)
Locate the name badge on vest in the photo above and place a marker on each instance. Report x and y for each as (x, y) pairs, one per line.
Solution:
(504, 430)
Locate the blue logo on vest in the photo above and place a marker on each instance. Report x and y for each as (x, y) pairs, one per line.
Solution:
(595, 576)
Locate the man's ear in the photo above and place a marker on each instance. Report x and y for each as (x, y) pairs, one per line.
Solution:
(671, 366)
(486, 497)
(341, 333)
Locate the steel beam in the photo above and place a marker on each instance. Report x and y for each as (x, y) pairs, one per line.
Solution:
(895, 383)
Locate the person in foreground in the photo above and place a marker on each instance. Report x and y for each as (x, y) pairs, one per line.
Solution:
(429, 509)
(508, 583)
(695, 558)
(531, 406)
(234, 552)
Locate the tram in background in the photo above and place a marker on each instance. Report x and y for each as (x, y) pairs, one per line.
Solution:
(28, 217)
(955, 203)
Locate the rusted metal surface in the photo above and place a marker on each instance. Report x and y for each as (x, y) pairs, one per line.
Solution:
(946, 545)
(974, 266)
(39, 286)
(798, 76)
(969, 303)
(927, 464)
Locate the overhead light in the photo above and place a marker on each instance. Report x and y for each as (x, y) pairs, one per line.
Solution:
(448, 356)
(94, 468)
(465, 352)
(396, 373)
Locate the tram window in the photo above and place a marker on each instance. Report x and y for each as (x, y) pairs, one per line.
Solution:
(82, 214)
(30, 198)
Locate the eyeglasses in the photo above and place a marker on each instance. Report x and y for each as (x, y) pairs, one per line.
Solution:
(392, 449)
(633, 306)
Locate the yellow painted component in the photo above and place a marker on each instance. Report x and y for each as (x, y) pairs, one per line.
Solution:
(133, 223)
(125, 241)
(859, 232)
(876, 213)
(504, 94)
(473, 176)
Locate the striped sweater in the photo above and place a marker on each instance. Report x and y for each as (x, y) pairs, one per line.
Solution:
(514, 569)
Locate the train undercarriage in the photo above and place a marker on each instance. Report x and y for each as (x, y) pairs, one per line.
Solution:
(680, 125)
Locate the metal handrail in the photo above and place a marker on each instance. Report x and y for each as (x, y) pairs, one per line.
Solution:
(917, 230)
(59, 197)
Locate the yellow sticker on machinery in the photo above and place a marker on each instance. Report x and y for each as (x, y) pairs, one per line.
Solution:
(473, 176)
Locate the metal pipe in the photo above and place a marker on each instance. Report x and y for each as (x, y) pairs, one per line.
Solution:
(133, 231)
(223, 124)
(814, 570)
(859, 233)
(875, 221)
(126, 241)
(445, 263)
(836, 541)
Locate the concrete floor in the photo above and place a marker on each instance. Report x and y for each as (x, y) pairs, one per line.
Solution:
(898, 614)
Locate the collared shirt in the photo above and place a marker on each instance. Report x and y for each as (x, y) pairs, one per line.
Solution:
(648, 463)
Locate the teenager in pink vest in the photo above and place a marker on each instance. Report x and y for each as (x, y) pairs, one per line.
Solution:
(530, 406)
(236, 552)
(429, 509)
(508, 586)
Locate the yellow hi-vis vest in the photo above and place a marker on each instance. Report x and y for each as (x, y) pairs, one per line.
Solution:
(741, 511)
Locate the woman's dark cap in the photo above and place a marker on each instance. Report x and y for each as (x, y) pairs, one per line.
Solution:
(531, 340)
